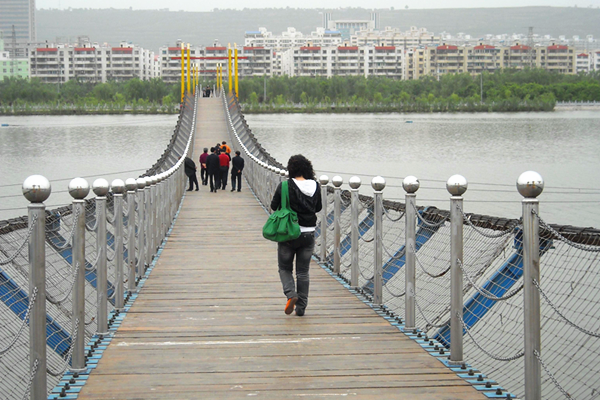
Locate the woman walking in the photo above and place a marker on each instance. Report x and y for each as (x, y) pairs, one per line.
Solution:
(305, 200)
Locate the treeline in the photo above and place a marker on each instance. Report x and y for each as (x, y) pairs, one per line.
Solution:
(19, 91)
(506, 90)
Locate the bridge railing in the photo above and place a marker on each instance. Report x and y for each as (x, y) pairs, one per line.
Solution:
(61, 300)
(522, 295)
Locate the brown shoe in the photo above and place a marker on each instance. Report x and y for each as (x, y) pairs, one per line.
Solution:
(289, 306)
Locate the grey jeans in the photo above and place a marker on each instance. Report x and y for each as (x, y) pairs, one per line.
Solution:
(301, 248)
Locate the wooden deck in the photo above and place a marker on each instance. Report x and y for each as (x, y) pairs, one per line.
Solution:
(209, 322)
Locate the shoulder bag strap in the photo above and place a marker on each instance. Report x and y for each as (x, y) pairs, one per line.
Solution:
(284, 196)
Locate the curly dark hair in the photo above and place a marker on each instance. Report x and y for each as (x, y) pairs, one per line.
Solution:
(299, 165)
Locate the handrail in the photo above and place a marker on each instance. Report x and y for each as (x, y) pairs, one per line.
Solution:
(132, 240)
(493, 284)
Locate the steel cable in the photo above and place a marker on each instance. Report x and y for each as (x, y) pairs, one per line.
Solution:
(485, 293)
(22, 245)
(587, 332)
(497, 358)
(59, 302)
(23, 324)
(69, 354)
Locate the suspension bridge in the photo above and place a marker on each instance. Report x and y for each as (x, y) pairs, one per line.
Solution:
(145, 291)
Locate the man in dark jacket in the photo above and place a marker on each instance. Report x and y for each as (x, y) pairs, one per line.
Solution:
(237, 165)
(203, 173)
(190, 171)
(212, 167)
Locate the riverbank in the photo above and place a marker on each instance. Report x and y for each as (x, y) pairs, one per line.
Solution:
(286, 108)
(105, 109)
(411, 107)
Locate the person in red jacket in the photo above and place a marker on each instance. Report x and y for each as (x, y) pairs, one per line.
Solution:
(224, 168)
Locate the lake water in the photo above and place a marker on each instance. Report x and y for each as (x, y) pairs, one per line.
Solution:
(64, 147)
(490, 150)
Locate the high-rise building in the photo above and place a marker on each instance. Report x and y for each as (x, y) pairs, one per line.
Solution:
(17, 20)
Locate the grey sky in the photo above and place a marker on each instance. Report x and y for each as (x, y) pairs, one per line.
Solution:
(196, 5)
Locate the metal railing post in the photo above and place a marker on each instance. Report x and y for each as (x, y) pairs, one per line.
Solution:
(118, 187)
(148, 220)
(37, 189)
(141, 226)
(337, 214)
(411, 185)
(354, 183)
(154, 226)
(456, 186)
(159, 209)
(164, 218)
(324, 180)
(378, 184)
(530, 185)
(157, 213)
(78, 189)
(100, 188)
(264, 182)
(167, 206)
(131, 186)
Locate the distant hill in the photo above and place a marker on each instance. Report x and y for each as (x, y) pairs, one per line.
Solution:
(153, 29)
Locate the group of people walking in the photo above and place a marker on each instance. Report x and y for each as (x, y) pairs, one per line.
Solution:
(214, 168)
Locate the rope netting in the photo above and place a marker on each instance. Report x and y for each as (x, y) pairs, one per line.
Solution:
(60, 276)
(492, 270)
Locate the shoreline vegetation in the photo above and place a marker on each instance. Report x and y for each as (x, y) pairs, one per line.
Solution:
(502, 91)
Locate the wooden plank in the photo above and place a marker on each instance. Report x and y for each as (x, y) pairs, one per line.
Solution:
(209, 322)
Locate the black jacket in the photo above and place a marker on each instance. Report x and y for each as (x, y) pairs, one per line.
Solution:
(212, 163)
(306, 207)
(237, 164)
(190, 166)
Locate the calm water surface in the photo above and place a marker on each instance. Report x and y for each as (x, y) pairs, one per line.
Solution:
(490, 150)
(63, 147)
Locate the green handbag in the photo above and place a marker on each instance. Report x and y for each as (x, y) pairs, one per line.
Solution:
(282, 225)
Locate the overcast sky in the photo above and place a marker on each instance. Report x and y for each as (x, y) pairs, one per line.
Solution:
(198, 5)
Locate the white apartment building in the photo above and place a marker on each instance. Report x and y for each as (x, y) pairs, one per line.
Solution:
(255, 61)
(170, 62)
(252, 61)
(344, 61)
(483, 57)
(291, 38)
(583, 63)
(596, 60)
(394, 37)
(310, 61)
(91, 63)
(347, 61)
(415, 63)
(388, 61)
